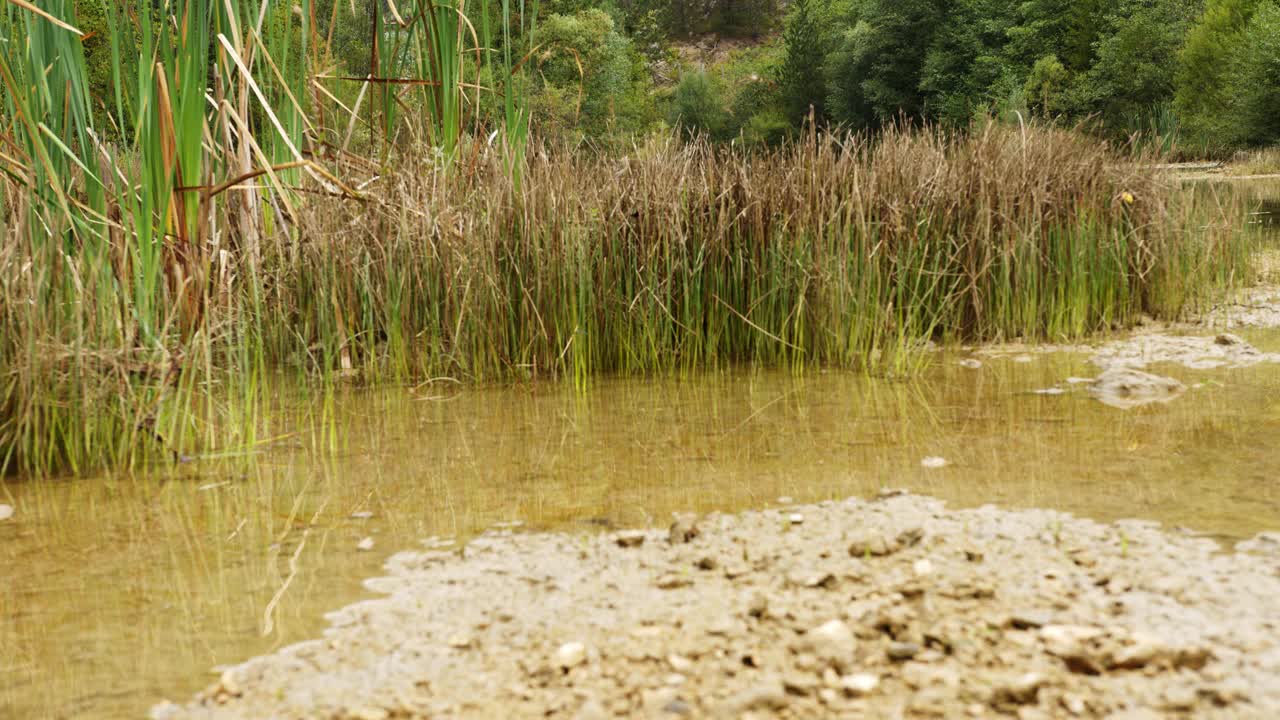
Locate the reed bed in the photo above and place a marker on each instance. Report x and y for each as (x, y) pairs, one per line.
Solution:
(837, 249)
(161, 250)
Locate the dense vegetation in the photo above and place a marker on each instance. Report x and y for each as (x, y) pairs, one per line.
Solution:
(196, 192)
(1201, 75)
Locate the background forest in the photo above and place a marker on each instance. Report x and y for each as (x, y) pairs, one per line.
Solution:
(1199, 75)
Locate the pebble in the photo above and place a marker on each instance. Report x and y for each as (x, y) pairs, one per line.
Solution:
(361, 515)
(970, 363)
(933, 462)
(673, 581)
(859, 684)
(684, 529)
(1030, 619)
(769, 694)
(903, 651)
(629, 539)
(1021, 690)
(922, 567)
(366, 544)
(461, 641)
(571, 655)
(869, 542)
(832, 642)
(6, 512)
(795, 518)
(679, 663)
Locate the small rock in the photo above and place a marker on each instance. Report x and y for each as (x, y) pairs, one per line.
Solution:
(769, 694)
(1227, 692)
(800, 684)
(1021, 690)
(859, 684)
(902, 651)
(833, 643)
(684, 529)
(869, 542)
(229, 684)
(811, 578)
(707, 562)
(795, 518)
(1178, 697)
(629, 538)
(1030, 619)
(361, 515)
(933, 462)
(571, 655)
(910, 536)
(758, 605)
(1228, 340)
(679, 663)
(365, 544)
(1125, 388)
(785, 500)
(970, 363)
(1073, 704)
(591, 709)
(1141, 650)
(674, 679)
(460, 641)
(678, 707)
(672, 581)
(922, 567)
(6, 512)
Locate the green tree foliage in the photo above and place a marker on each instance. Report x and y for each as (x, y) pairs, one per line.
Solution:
(1136, 59)
(1257, 78)
(1204, 92)
(876, 69)
(696, 106)
(965, 65)
(802, 75)
(593, 79)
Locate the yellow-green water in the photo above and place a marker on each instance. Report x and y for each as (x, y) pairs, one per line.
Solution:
(117, 592)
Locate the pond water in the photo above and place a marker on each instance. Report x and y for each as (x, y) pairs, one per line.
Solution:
(119, 591)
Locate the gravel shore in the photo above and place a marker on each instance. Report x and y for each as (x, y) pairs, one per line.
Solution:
(890, 607)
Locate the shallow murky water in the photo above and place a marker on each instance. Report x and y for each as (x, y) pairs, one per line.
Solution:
(119, 591)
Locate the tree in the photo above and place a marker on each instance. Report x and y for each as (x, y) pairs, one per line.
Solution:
(802, 75)
(1136, 59)
(966, 65)
(696, 105)
(1257, 78)
(1203, 91)
(876, 68)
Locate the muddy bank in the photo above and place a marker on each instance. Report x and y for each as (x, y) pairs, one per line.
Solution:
(883, 608)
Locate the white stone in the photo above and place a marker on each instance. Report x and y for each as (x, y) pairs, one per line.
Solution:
(365, 544)
(922, 567)
(859, 684)
(933, 462)
(6, 511)
(571, 655)
(796, 518)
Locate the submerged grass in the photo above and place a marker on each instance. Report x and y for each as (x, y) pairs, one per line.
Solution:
(140, 278)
